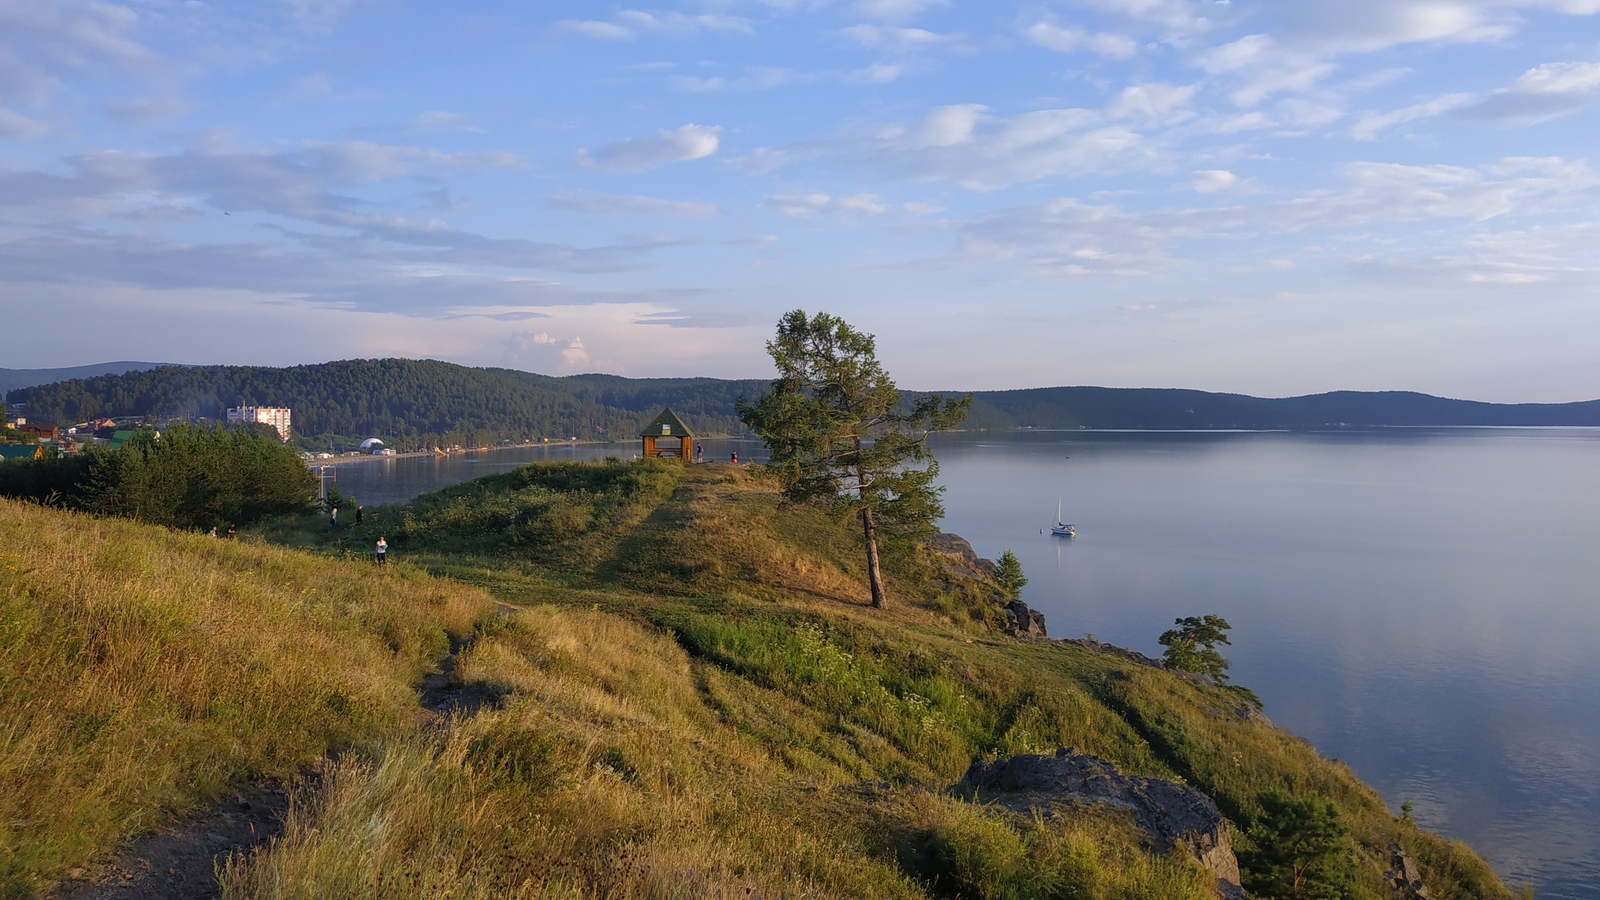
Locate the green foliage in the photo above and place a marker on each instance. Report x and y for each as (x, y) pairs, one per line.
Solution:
(1011, 579)
(1192, 647)
(409, 403)
(197, 477)
(542, 510)
(836, 432)
(185, 477)
(1302, 850)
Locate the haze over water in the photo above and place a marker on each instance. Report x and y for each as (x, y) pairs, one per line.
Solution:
(1421, 603)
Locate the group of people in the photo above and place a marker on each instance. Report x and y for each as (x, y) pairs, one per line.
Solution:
(700, 455)
(213, 532)
(380, 551)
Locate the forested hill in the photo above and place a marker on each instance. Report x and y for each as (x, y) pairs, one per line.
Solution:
(409, 403)
(11, 379)
(1165, 408)
(414, 403)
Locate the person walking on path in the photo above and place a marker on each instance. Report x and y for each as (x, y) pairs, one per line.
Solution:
(382, 550)
(333, 518)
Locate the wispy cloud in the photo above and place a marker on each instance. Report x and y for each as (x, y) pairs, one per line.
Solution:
(681, 144)
(631, 23)
(632, 205)
(1072, 39)
(805, 206)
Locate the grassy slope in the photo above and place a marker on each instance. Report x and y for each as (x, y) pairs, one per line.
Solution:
(696, 704)
(143, 670)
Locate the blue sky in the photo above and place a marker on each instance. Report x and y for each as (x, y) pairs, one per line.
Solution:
(1271, 198)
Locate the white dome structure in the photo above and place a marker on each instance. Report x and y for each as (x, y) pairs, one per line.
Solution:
(371, 443)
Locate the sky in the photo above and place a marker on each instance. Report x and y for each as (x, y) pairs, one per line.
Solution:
(1273, 198)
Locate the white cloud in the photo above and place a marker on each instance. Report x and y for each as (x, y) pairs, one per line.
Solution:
(1211, 181)
(760, 78)
(438, 119)
(618, 205)
(1154, 100)
(575, 354)
(877, 73)
(969, 147)
(682, 144)
(885, 37)
(805, 206)
(1540, 94)
(1369, 125)
(630, 23)
(1179, 16)
(605, 31)
(320, 15)
(1071, 39)
(896, 10)
(1250, 121)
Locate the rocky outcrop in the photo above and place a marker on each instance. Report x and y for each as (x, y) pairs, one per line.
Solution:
(1171, 814)
(1403, 875)
(1022, 621)
(960, 556)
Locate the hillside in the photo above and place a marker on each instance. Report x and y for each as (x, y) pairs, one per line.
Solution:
(418, 403)
(410, 403)
(682, 696)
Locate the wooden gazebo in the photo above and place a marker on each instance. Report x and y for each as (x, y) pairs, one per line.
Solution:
(666, 437)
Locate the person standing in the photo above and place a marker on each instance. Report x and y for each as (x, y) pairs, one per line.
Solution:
(333, 518)
(361, 513)
(699, 454)
(736, 457)
(382, 550)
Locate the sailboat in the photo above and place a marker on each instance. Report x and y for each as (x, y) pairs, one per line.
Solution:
(1061, 528)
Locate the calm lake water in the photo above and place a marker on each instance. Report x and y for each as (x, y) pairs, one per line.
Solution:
(1423, 604)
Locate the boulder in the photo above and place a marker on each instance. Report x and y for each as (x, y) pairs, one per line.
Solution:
(961, 556)
(1024, 622)
(1170, 814)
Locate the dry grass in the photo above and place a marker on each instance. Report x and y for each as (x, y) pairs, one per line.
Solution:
(143, 670)
(694, 695)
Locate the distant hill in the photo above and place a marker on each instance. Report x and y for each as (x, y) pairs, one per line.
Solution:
(413, 403)
(409, 403)
(1164, 408)
(11, 379)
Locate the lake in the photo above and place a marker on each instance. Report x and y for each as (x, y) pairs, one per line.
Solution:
(1423, 604)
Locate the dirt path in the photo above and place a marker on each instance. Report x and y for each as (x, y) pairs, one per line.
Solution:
(179, 861)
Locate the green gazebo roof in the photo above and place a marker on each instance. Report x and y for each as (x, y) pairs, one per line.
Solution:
(666, 425)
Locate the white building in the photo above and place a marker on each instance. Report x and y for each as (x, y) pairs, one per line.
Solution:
(276, 416)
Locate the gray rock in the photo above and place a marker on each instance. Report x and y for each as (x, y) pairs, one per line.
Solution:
(1024, 622)
(1403, 875)
(1170, 814)
(962, 555)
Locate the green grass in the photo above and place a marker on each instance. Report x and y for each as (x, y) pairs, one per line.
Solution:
(697, 702)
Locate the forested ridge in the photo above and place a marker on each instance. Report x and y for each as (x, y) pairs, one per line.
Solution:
(416, 403)
(408, 403)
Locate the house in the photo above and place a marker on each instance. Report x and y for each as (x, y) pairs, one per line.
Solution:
(42, 432)
(21, 451)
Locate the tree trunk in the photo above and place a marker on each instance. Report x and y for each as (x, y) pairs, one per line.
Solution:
(873, 574)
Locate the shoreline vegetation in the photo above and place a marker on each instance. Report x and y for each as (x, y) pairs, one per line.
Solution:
(676, 689)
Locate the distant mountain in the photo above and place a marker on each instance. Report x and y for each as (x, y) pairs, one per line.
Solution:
(1165, 408)
(11, 379)
(412, 403)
